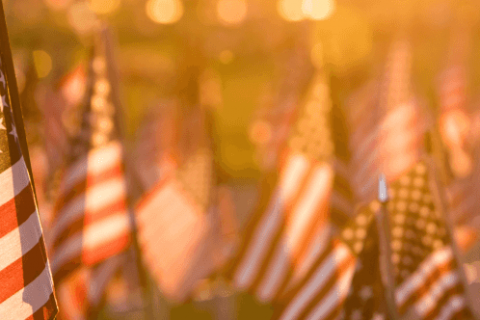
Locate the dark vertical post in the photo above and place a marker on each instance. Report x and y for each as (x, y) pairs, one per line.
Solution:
(386, 267)
(132, 182)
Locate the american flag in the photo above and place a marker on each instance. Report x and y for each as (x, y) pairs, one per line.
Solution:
(383, 110)
(59, 108)
(366, 296)
(286, 232)
(178, 228)
(428, 282)
(26, 290)
(321, 293)
(81, 294)
(297, 73)
(91, 220)
(155, 143)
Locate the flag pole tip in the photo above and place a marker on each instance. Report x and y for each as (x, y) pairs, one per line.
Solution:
(382, 188)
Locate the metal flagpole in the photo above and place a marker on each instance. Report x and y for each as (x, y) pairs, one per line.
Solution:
(386, 267)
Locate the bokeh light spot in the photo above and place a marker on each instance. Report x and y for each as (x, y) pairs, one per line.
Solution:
(231, 12)
(164, 11)
(43, 63)
(318, 9)
(290, 10)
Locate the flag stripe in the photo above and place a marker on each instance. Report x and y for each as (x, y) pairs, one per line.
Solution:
(13, 181)
(14, 277)
(22, 204)
(321, 283)
(25, 302)
(261, 240)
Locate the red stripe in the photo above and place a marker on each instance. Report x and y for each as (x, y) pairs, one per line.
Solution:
(21, 272)
(16, 211)
(429, 281)
(90, 217)
(91, 180)
(106, 249)
(280, 234)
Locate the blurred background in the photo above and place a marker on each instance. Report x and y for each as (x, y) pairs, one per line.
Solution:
(252, 59)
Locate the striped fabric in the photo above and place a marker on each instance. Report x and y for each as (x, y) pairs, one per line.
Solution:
(427, 275)
(80, 295)
(428, 282)
(59, 109)
(91, 221)
(155, 144)
(283, 241)
(26, 287)
(178, 238)
(387, 131)
(285, 234)
(321, 294)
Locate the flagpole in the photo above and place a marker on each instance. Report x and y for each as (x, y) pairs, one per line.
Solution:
(132, 182)
(7, 62)
(440, 195)
(386, 267)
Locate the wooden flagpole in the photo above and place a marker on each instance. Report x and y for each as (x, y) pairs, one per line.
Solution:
(130, 173)
(386, 267)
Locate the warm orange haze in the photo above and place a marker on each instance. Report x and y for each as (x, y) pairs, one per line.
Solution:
(239, 159)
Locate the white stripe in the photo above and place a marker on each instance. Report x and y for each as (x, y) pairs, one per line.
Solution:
(28, 300)
(19, 241)
(98, 197)
(315, 195)
(315, 249)
(302, 215)
(430, 300)
(335, 296)
(91, 238)
(12, 181)
(316, 282)
(454, 305)
(105, 230)
(97, 161)
(417, 279)
(271, 220)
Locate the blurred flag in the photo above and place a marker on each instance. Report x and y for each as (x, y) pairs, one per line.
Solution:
(26, 290)
(428, 277)
(155, 144)
(91, 222)
(84, 289)
(464, 204)
(60, 110)
(272, 129)
(366, 296)
(288, 230)
(181, 232)
(428, 282)
(321, 293)
(454, 120)
(387, 127)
